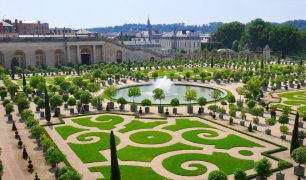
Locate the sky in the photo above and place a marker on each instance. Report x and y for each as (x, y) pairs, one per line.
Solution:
(101, 13)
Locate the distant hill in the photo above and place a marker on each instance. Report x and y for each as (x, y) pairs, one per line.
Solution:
(205, 28)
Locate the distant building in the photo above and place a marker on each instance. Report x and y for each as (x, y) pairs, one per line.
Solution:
(61, 31)
(176, 41)
(31, 27)
(7, 29)
(266, 52)
(205, 38)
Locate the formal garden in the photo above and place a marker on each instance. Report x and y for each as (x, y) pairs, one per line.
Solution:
(183, 119)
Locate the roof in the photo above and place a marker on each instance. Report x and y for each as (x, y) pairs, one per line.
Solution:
(83, 31)
(6, 24)
(182, 34)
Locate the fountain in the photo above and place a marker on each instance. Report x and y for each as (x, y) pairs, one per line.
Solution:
(163, 83)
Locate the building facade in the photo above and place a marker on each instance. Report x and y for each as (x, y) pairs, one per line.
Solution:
(174, 42)
(7, 29)
(64, 52)
(31, 27)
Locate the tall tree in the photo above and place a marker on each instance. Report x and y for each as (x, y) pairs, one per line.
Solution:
(228, 33)
(47, 106)
(295, 134)
(14, 64)
(115, 171)
(256, 34)
(285, 39)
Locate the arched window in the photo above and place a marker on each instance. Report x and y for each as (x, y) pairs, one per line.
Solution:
(2, 63)
(20, 56)
(40, 57)
(119, 56)
(59, 57)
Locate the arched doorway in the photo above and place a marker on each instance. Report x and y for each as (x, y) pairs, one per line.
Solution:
(2, 63)
(119, 56)
(85, 56)
(40, 58)
(59, 57)
(20, 56)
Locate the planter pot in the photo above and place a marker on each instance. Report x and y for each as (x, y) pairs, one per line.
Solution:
(124, 81)
(194, 80)
(110, 82)
(203, 81)
(218, 81)
(278, 85)
(268, 131)
(160, 109)
(10, 117)
(42, 114)
(30, 98)
(111, 105)
(122, 107)
(280, 176)
(57, 112)
(220, 116)
(103, 83)
(260, 178)
(299, 170)
(72, 111)
(65, 106)
(264, 88)
(179, 79)
(301, 124)
(147, 109)
(117, 81)
(174, 110)
(242, 123)
(37, 109)
(190, 109)
(99, 107)
(255, 128)
(283, 137)
(133, 107)
(86, 107)
(301, 142)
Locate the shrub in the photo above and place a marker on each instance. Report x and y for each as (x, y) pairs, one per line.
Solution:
(217, 175)
(56, 100)
(37, 131)
(283, 119)
(5, 102)
(299, 155)
(9, 108)
(71, 101)
(146, 102)
(174, 102)
(239, 174)
(263, 168)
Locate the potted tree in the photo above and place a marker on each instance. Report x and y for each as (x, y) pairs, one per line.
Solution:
(9, 108)
(3, 94)
(146, 103)
(174, 102)
(190, 95)
(56, 101)
(239, 174)
(281, 165)
(111, 92)
(159, 94)
(284, 130)
(269, 122)
(299, 156)
(263, 169)
(71, 102)
(65, 99)
(122, 101)
(134, 92)
(217, 175)
(202, 101)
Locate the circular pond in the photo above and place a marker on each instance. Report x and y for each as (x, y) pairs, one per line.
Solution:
(174, 91)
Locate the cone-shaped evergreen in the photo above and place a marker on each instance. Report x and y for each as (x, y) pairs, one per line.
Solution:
(14, 126)
(25, 153)
(24, 82)
(295, 134)
(250, 128)
(115, 172)
(47, 106)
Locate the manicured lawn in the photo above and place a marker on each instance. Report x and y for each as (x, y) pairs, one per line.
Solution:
(297, 98)
(246, 152)
(66, 131)
(147, 154)
(129, 173)
(89, 153)
(150, 137)
(135, 124)
(186, 123)
(223, 161)
(105, 122)
(229, 142)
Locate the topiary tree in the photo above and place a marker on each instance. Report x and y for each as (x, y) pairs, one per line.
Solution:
(85, 97)
(36, 131)
(231, 99)
(71, 101)
(263, 168)
(239, 174)
(134, 92)
(217, 175)
(202, 101)
(159, 94)
(12, 89)
(215, 95)
(295, 134)
(22, 102)
(3, 94)
(174, 102)
(299, 156)
(190, 95)
(111, 92)
(115, 171)
(9, 108)
(54, 156)
(69, 173)
(56, 100)
(47, 106)
(283, 119)
(122, 101)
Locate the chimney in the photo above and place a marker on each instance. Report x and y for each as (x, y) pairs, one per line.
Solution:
(38, 22)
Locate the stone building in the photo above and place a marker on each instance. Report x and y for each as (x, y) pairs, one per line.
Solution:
(174, 42)
(59, 51)
(7, 29)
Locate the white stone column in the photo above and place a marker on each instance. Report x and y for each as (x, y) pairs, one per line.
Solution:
(78, 55)
(94, 57)
(68, 60)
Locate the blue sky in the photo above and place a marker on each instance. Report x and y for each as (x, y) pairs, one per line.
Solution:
(97, 13)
